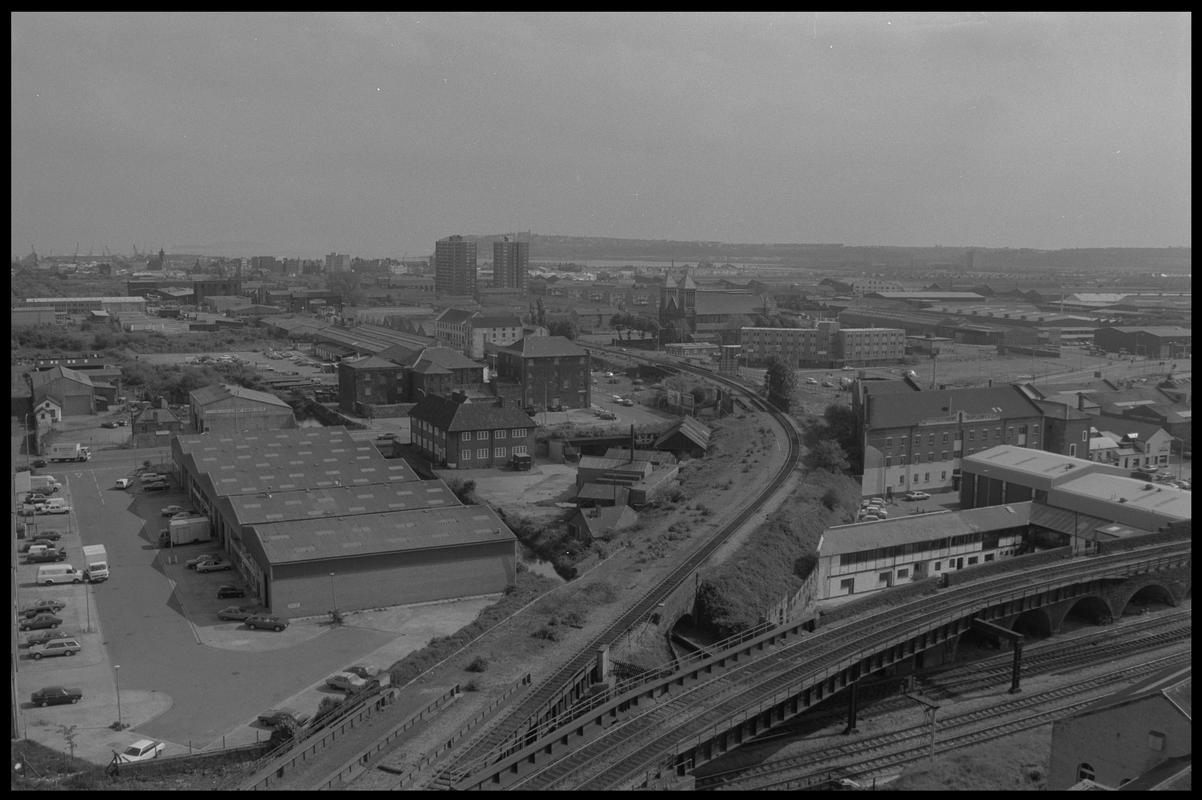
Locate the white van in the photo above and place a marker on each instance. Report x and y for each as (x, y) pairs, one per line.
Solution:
(56, 502)
(50, 574)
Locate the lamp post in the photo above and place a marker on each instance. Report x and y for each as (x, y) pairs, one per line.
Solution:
(117, 676)
(333, 598)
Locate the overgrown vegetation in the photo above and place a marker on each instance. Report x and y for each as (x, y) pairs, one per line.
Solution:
(549, 540)
(780, 381)
(833, 441)
(776, 558)
(120, 346)
(529, 586)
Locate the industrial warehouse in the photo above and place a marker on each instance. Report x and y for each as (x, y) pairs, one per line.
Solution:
(314, 520)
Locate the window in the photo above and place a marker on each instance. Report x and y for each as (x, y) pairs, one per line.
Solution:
(945, 438)
(997, 433)
(1085, 772)
(989, 556)
(481, 436)
(943, 475)
(903, 573)
(1155, 741)
(519, 450)
(930, 439)
(931, 457)
(848, 585)
(498, 452)
(885, 579)
(1085, 436)
(518, 433)
(482, 453)
(888, 461)
(888, 441)
(901, 460)
(943, 455)
(972, 436)
(972, 560)
(466, 436)
(1072, 451)
(466, 454)
(938, 565)
(915, 478)
(498, 434)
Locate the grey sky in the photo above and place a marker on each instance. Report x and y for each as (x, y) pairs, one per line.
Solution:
(376, 134)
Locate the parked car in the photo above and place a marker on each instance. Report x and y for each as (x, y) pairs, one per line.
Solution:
(56, 696)
(216, 564)
(192, 562)
(55, 647)
(109, 424)
(142, 750)
(53, 509)
(916, 496)
(878, 501)
(124, 483)
(38, 463)
(43, 606)
(148, 477)
(39, 621)
(50, 555)
(239, 613)
(388, 436)
(626, 401)
(266, 622)
(228, 590)
(813, 381)
(156, 486)
(608, 415)
(35, 497)
(828, 384)
(45, 636)
(40, 542)
(171, 511)
(121, 422)
(364, 670)
(346, 682)
(50, 536)
(279, 716)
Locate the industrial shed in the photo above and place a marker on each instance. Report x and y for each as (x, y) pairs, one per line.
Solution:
(291, 507)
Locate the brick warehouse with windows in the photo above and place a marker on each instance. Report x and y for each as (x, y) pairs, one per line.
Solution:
(545, 371)
(461, 435)
(914, 439)
(312, 519)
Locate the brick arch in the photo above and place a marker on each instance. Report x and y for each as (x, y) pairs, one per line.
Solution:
(1101, 607)
(1122, 599)
(1037, 620)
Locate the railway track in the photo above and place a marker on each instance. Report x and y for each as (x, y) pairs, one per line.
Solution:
(513, 728)
(876, 754)
(631, 746)
(987, 674)
(1177, 630)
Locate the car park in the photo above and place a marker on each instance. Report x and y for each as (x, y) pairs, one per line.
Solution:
(916, 496)
(39, 621)
(141, 750)
(281, 716)
(55, 647)
(239, 613)
(217, 564)
(266, 622)
(45, 636)
(228, 590)
(56, 696)
(43, 606)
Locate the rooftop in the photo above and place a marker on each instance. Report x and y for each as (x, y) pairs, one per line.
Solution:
(340, 501)
(296, 541)
(860, 536)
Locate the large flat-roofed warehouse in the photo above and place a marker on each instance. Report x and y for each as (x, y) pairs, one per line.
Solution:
(313, 519)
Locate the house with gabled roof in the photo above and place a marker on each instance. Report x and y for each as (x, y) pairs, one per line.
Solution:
(72, 391)
(545, 372)
(457, 434)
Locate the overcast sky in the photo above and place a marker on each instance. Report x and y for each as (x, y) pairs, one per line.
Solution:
(376, 134)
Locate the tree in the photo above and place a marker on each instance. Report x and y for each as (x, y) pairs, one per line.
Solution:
(842, 427)
(619, 322)
(542, 314)
(780, 381)
(566, 328)
(827, 455)
(346, 284)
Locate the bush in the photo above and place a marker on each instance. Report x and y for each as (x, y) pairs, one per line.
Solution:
(546, 634)
(471, 686)
(479, 664)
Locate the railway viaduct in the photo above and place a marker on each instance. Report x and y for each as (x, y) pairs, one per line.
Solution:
(717, 701)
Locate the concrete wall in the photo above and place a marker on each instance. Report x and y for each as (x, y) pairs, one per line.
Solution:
(1118, 743)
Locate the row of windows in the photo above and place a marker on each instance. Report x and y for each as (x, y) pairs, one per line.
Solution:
(516, 433)
(498, 452)
(945, 436)
(908, 549)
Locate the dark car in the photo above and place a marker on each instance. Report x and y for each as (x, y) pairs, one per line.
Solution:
(41, 540)
(48, 556)
(227, 590)
(56, 696)
(38, 463)
(53, 536)
(40, 621)
(109, 424)
(266, 622)
(43, 606)
(35, 497)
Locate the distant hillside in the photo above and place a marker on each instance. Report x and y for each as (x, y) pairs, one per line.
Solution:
(828, 255)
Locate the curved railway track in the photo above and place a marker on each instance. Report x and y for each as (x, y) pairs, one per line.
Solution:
(511, 729)
(966, 729)
(632, 747)
(818, 765)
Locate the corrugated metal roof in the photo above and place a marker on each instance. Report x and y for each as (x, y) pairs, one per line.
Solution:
(1007, 402)
(277, 506)
(207, 395)
(296, 541)
(447, 415)
(860, 536)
